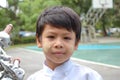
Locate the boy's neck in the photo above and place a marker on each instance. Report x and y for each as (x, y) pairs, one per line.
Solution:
(52, 65)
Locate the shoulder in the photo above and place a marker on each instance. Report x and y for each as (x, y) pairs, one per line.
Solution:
(83, 68)
(35, 75)
(86, 72)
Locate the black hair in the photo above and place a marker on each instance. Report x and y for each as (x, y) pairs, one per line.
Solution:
(59, 17)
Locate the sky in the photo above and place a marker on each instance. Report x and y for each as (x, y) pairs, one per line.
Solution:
(3, 3)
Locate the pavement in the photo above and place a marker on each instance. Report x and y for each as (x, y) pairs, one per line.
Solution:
(31, 61)
(108, 39)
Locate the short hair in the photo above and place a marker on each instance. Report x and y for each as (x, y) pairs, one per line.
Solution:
(59, 17)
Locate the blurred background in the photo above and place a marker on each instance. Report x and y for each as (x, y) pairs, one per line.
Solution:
(23, 15)
(100, 38)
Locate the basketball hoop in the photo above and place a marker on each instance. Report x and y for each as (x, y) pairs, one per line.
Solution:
(102, 3)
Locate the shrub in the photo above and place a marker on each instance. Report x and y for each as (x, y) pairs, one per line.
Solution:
(23, 40)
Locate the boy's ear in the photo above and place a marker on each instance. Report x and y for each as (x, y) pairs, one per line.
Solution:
(76, 45)
(39, 44)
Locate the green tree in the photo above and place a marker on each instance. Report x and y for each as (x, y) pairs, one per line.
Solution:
(9, 14)
(80, 6)
(30, 10)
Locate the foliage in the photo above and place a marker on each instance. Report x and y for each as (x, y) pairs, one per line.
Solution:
(30, 10)
(80, 6)
(23, 40)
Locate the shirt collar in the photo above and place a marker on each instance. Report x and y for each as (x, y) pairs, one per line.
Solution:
(65, 68)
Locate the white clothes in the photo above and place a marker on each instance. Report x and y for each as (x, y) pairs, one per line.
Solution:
(67, 71)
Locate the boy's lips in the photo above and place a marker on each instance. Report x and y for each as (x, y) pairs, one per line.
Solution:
(58, 53)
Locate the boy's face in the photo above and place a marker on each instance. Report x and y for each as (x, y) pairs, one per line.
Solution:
(58, 44)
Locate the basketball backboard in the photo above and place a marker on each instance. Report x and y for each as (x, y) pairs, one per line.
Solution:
(102, 3)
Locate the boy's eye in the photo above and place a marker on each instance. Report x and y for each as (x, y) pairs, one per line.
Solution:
(50, 37)
(67, 38)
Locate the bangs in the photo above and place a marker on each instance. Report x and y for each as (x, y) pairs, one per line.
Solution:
(58, 21)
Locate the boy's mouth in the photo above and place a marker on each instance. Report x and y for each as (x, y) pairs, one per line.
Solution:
(58, 53)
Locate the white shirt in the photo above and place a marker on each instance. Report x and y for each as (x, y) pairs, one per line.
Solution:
(66, 71)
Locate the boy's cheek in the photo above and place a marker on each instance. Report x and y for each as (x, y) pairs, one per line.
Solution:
(71, 48)
(46, 46)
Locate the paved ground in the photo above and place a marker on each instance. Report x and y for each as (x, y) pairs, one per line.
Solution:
(108, 39)
(31, 61)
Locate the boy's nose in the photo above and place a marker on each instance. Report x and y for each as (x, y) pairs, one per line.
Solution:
(58, 43)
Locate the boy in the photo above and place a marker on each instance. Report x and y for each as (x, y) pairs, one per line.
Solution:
(58, 33)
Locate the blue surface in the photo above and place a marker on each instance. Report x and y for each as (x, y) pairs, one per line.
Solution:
(86, 47)
(94, 46)
(108, 53)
